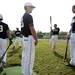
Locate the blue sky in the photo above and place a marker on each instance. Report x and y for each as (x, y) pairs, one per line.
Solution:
(60, 10)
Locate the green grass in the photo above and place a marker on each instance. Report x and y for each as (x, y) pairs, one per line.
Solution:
(13, 71)
(14, 56)
(47, 62)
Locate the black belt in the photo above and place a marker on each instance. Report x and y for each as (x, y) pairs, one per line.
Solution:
(55, 34)
(26, 35)
(2, 38)
(73, 31)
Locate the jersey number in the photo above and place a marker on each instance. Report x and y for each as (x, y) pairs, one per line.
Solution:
(1, 28)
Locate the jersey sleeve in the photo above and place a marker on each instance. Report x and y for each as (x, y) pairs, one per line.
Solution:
(6, 27)
(58, 29)
(30, 20)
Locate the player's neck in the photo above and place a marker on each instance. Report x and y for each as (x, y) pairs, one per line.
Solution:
(28, 12)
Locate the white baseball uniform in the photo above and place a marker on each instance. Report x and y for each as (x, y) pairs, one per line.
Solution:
(72, 43)
(3, 39)
(17, 40)
(54, 37)
(28, 54)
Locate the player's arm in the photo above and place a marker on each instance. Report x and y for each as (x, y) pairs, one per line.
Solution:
(33, 33)
(32, 29)
(69, 34)
(51, 28)
(59, 29)
(51, 31)
(9, 34)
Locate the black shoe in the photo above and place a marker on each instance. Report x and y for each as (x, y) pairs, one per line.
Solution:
(70, 65)
(4, 73)
(1, 69)
(3, 64)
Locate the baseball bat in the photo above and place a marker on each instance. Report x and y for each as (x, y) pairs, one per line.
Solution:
(67, 45)
(66, 49)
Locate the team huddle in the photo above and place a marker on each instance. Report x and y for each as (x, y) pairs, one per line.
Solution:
(28, 40)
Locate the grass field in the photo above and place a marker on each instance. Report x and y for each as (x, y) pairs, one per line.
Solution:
(47, 62)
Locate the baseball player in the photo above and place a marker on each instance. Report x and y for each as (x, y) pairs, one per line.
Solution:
(54, 36)
(29, 40)
(18, 38)
(72, 39)
(4, 34)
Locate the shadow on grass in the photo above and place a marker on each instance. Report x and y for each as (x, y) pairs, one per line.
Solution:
(67, 60)
(73, 68)
(58, 55)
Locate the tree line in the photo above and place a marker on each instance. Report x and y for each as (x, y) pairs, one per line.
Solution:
(46, 35)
